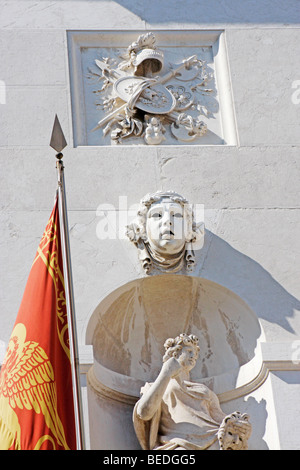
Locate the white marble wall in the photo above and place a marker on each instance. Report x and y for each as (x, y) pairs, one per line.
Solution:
(250, 191)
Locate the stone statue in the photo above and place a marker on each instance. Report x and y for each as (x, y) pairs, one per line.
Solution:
(165, 232)
(175, 413)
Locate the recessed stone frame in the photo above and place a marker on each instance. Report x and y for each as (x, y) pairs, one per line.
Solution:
(212, 98)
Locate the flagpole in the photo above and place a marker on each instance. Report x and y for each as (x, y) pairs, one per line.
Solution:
(64, 233)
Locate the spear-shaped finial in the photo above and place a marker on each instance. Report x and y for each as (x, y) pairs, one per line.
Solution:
(58, 141)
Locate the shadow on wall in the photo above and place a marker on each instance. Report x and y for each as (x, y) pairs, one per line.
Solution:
(257, 410)
(225, 303)
(215, 11)
(223, 264)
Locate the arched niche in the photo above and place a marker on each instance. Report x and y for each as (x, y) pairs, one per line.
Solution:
(129, 327)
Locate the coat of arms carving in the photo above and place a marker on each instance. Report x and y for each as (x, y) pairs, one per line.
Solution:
(151, 100)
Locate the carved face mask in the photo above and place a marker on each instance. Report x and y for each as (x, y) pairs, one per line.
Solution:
(232, 439)
(165, 227)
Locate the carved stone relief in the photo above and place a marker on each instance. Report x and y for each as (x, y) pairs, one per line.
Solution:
(161, 88)
(166, 233)
(175, 413)
(141, 101)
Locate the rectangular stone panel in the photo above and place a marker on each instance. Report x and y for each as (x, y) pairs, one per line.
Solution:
(143, 88)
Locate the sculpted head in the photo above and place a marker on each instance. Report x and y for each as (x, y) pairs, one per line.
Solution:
(184, 348)
(165, 224)
(234, 432)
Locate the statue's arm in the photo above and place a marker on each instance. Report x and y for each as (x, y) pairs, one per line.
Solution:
(151, 399)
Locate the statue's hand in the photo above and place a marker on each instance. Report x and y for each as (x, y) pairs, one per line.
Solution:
(171, 367)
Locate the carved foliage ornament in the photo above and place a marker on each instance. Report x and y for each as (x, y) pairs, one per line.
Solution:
(141, 101)
(166, 233)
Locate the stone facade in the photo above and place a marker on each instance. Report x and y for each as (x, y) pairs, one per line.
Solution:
(242, 299)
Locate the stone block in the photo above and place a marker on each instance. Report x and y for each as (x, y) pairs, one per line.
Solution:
(263, 70)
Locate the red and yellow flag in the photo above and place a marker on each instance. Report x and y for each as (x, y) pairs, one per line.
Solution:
(36, 400)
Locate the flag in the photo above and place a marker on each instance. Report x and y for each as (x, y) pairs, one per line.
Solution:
(36, 398)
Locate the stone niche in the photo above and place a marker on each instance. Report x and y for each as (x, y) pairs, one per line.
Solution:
(128, 330)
